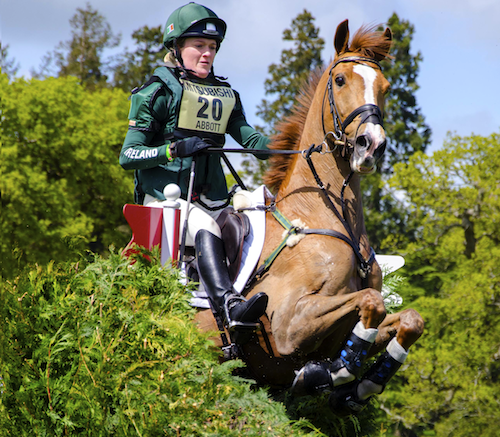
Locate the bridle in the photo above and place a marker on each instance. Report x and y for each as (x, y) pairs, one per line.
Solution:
(368, 112)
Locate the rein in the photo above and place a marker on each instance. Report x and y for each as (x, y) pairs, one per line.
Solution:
(364, 266)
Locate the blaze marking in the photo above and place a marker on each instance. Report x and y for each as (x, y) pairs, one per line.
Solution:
(369, 75)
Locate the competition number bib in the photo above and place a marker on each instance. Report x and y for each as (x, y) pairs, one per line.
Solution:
(205, 108)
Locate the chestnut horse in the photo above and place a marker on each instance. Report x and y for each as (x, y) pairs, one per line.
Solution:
(322, 287)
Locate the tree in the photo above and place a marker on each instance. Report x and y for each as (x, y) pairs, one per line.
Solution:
(8, 65)
(296, 65)
(453, 197)
(286, 79)
(405, 125)
(451, 385)
(407, 133)
(82, 55)
(134, 68)
(62, 189)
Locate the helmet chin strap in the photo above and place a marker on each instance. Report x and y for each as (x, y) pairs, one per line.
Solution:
(177, 54)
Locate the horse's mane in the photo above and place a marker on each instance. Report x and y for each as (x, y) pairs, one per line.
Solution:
(370, 43)
(367, 42)
(289, 132)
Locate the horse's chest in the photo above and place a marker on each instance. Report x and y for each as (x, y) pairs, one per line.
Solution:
(330, 271)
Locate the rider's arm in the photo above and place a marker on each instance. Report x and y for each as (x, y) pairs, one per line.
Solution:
(243, 133)
(141, 148)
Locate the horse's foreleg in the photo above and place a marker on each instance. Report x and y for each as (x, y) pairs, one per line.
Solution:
(317, 318)
(316, 376)
(398, 332)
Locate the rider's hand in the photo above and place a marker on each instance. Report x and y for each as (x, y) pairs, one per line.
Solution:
(188, 147)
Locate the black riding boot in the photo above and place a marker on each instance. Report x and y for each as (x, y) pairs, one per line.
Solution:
(212, 268)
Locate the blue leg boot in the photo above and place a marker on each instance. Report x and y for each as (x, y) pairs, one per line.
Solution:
(345, 400)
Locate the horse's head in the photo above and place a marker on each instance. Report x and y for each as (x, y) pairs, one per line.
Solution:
(356, 90)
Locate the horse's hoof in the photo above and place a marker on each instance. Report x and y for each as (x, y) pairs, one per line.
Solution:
(312, 379)
(344, 401)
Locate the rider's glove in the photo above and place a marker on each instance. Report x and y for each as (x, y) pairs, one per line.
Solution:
(188, 147)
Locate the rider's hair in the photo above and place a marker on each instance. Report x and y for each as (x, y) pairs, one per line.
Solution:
(173, 55)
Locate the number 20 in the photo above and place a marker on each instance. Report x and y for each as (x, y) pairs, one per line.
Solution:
(216, 108)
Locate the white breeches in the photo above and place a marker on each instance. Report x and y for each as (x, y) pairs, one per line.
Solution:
(198, 217)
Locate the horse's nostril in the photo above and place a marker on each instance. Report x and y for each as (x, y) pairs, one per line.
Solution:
(363, 141)
(380, 149)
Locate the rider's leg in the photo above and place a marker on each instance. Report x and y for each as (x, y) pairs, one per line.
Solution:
(204, 234)
(212, 268)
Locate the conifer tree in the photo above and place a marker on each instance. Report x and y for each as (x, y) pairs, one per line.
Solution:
(297, 63)
(81, 56)
(286, 80)
(134, 68)
(406, 133)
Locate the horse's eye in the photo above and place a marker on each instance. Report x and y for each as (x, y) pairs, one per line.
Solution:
(340, 80)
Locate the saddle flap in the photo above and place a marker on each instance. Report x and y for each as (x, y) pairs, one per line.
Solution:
(234, 228)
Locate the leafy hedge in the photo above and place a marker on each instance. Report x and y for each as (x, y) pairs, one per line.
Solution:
(109, 349)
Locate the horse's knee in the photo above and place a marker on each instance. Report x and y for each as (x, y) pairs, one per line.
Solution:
(372, 308)
(411, 327)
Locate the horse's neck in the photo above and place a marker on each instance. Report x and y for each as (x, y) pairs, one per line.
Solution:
(302, 197)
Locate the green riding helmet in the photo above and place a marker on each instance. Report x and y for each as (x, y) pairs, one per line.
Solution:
(193, 20)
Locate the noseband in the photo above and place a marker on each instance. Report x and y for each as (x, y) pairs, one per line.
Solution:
(368, 112)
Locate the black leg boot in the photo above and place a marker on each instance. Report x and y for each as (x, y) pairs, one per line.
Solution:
(236, 311)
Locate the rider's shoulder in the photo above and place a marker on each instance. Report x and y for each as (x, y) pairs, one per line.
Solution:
(163, 77)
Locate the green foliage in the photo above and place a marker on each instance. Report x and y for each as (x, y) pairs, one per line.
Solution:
(82, 55)
(111, 349)
(62, 187)
(450, 382)
(454, 197)
(135, 68)
(406, 133)
(452, 375)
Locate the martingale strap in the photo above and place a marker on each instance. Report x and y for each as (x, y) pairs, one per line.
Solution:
(283, 221)
(363, 265)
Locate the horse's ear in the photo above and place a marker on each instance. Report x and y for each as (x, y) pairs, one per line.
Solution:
(388, 40)
(341, 40)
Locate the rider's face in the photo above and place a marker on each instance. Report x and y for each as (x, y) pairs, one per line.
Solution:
(198, 55)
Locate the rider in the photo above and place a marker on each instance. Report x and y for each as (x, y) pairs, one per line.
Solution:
(180, 111)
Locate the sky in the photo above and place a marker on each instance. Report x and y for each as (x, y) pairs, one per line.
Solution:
(459, 41)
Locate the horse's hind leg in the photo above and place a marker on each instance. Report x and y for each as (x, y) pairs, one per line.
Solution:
(398, 331)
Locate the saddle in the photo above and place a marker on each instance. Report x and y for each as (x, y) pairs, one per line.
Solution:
(234, 228)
